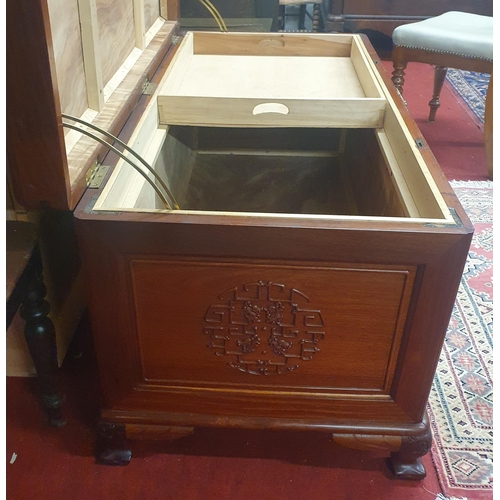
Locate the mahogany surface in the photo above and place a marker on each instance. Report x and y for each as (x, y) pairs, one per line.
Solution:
(384, 16)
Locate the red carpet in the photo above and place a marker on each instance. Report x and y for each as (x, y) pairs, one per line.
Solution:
(456, 137)
(217, 464)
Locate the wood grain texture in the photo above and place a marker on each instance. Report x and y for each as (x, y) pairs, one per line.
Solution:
(373, 187)
(151, 12)
(349, 303)
(424, 250)
(35, 140)
(118, 108)
(116, 34)
(91, 54)
(68, 55)
(170, 9)
(277, 44)
(35, 145)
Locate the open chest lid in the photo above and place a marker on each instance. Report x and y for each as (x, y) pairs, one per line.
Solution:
(91, 59)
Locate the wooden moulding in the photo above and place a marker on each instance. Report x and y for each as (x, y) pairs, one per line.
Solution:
(82, 154)
(285, 80)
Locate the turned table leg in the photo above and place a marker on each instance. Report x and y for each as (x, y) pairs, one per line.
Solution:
(40, 336)
(399, 64)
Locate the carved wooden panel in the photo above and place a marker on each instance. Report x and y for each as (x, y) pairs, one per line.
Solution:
(213, 324)
(265, 328)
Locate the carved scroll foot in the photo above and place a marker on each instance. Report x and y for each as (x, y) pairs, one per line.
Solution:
(406, 463)
(112, 445)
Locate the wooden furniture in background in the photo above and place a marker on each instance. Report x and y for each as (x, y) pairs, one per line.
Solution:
(452, 40)
(26, 291)
(302, 4)
(385, 15)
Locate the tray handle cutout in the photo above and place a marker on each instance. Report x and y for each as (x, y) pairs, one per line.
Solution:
(271, 107)
(271, 42)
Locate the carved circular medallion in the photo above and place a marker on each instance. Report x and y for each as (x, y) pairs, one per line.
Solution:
(264, 328)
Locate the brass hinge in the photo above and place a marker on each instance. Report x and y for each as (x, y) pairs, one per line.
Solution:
(89, 209)
(176, 40)
(95, 175)
(149, 88)
(456, 218)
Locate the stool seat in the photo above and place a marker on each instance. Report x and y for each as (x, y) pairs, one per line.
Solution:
(458, 33)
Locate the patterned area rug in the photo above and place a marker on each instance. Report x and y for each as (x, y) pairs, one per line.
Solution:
(461, 400)
(471, 87)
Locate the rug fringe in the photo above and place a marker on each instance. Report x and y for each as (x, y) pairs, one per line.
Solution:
(478, 184)
(441, 497)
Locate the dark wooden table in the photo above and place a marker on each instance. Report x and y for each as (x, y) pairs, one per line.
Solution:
(26, 291)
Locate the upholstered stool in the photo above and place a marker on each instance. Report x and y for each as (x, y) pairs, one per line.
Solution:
(316, 15)
(451, 40)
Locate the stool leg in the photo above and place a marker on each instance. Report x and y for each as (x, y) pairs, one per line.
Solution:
(439, 76)
(40, 336)
(302, 17)
(399, 63)
(316, 17)
(281, 17)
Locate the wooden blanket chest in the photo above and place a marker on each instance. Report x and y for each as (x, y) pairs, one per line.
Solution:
(290, 260)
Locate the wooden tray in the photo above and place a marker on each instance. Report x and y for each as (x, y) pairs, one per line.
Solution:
(271, 80)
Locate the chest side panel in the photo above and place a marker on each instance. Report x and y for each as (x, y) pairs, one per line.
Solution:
(264, 326)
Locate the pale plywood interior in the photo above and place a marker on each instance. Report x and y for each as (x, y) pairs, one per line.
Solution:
(268, 77)
(151, 12)
(270, 66)
(252, 177)
(68, 57)
(215, 79)
(116, 34)
(83, 147)
(271, 44)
